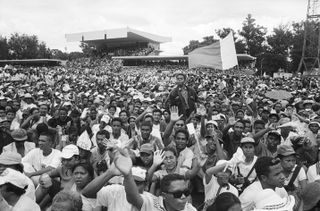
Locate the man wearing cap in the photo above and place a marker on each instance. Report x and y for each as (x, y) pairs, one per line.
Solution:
(12, 189)
(312, 133)
(183, 96)
(216, 181)
(20, 144)
(295, 176)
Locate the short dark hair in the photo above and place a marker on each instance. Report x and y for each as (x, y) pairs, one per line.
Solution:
(184, 76)
(146, 123)
(171, 149)
(87, 167)
(157, 111)
(263, 164)
(184, 131)
(123, 111)
(167, 180)
(259, 122)
(224, 201)
(67, 196)
(117, 119)
(103, 132)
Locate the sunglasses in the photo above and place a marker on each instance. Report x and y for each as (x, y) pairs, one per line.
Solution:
(178, 194)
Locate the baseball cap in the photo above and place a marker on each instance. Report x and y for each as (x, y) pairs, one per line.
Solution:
(69, 151)
(19, 134)
(247, 140)
(13, 177)
(285, 150)
(212, 122)
(139, 174)
(147, 148)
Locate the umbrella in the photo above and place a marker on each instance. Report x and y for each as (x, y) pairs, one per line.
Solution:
(278, 94)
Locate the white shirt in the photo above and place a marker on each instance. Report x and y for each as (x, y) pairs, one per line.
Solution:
(300, 177)
(211, 189)
(154, 203)
(250, 193)
(38, 161)
(245, 169)
(25, 204)
(312, 173)
(28, 146)
(114, 198)
(185, 158)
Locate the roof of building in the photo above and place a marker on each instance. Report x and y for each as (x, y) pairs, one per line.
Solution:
(115, 37)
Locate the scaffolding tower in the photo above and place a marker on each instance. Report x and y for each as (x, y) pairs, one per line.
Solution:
(310, 55)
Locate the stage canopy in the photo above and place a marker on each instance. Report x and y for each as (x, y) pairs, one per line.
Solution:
(116, 37)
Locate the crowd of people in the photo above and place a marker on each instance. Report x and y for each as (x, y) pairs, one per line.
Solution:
(94, 135)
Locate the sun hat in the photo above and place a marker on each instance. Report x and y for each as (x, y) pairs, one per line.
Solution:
(10, 158)
(268, 199)
(19, 134)
(13, 177)
(285, 150)
(139, 174)
(69, 151)
(147, 148)
(212, 122)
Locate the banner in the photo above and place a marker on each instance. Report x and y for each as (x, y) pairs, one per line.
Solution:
(219, 55)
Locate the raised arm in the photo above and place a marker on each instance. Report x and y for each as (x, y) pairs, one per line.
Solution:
(91, 190)
(124, 163)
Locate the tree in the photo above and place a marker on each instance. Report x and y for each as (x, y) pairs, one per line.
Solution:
(87, 50)
(43, 51)
(23, 46)
(297, 43)
(193, 44)
(254, 36)
(281, 40)
(4, 49)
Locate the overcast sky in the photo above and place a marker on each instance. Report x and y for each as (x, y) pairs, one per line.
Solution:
(183, 20)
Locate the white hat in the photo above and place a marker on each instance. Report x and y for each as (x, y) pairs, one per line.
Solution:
(69, 151)
(139, 174)
(268, 199)
(27, 95)
(13, 177)
(212, 122)
(84, 141)
(247, 140)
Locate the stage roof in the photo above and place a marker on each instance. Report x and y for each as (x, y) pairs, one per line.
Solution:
(116, 37)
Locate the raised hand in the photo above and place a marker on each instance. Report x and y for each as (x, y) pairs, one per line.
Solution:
(123, 162)
(175, 114)
(158, 157)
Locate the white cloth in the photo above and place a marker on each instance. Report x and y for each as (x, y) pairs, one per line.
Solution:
(114, 198)
(185, 158)
(312, 173)
(28, 146)
(250, 193)
(38, 161)
(300, 177)
(25, 204)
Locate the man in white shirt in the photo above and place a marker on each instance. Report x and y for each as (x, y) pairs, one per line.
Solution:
(270, 174)
(41, 160)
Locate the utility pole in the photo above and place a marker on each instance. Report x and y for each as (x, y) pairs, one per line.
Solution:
(310, 55)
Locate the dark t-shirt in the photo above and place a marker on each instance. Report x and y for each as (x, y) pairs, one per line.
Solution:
(5, 139)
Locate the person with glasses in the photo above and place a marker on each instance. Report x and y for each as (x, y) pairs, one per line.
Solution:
(174, 189)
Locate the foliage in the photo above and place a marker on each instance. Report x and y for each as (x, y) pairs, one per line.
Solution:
(193, 44)
(4, 49)
(254, 36)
